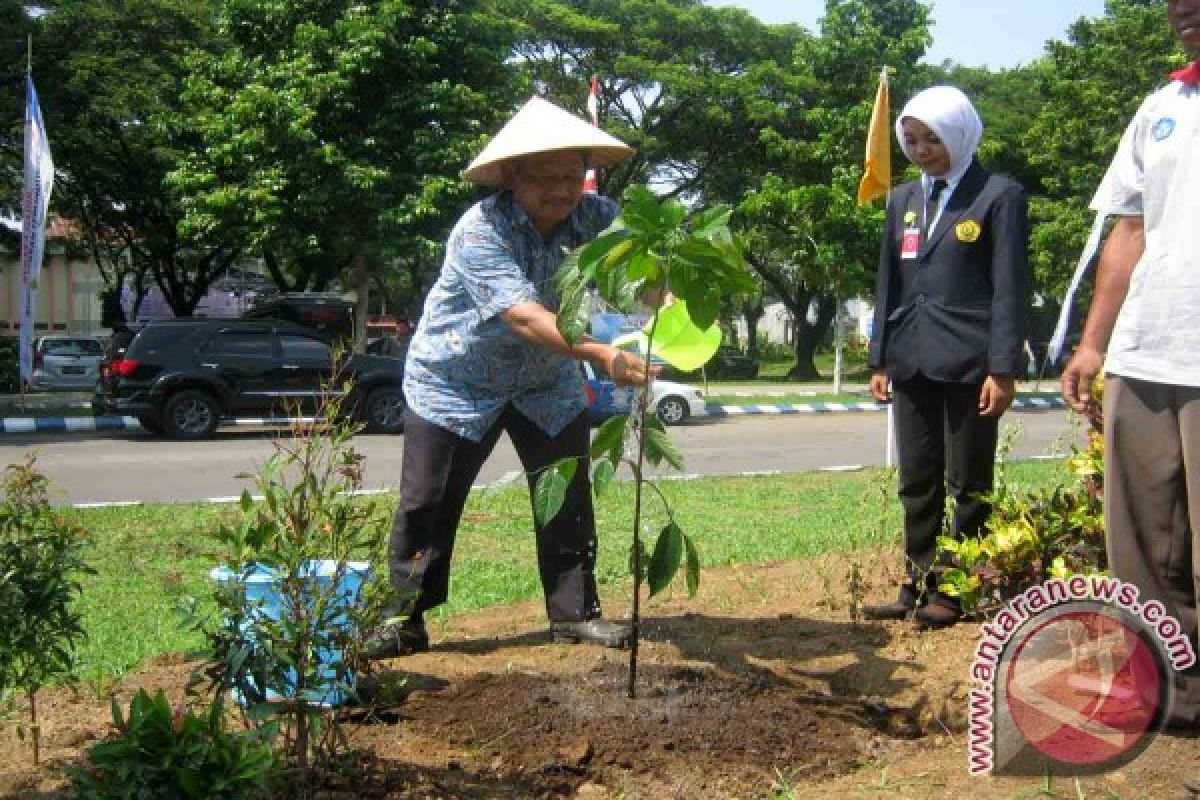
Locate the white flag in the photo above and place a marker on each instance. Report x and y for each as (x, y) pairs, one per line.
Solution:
(35, 200)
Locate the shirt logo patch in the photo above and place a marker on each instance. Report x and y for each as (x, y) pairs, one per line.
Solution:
(1163, 128)
(968, 230)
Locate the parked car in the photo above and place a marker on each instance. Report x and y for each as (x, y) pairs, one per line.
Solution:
(729, 362)
(183, 377)
(324, 312)
(64, 361)
(673, 402)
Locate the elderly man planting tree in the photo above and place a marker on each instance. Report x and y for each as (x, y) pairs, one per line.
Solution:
(487, 358)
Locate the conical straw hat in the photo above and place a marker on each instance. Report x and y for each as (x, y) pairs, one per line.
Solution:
(542, 127)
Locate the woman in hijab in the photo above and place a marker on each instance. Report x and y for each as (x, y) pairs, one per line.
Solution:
(948, 332)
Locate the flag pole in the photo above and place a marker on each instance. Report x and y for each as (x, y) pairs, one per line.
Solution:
(21, 384)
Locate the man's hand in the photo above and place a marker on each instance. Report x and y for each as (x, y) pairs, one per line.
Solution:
(1077, 380)
(880, 388)
(996, 395)
(626, 369)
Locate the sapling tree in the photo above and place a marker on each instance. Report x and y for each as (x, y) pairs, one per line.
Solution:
(656, 248)
(41, 561)
(288, 664)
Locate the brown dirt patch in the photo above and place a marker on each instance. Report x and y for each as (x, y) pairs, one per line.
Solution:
(759, 684)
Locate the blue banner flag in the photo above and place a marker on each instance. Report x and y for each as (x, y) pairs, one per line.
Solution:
(35, 200)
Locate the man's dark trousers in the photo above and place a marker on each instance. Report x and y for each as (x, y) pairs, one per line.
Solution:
(438, 471)
(942, 442)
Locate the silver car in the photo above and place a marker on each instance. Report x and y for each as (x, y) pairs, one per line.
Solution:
(66, 361)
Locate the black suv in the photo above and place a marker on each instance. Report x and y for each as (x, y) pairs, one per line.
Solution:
(183, 377)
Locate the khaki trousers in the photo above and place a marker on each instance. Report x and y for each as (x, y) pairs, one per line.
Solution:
(1152, 504)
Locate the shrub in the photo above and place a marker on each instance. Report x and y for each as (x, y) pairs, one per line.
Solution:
(286, 665)
(1034, 536)
(41, 559)
(163, 753)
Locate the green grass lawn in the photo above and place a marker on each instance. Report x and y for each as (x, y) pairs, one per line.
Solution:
(150, 558)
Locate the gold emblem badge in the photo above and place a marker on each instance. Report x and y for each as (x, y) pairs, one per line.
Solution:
(910, 218)
(968, 230)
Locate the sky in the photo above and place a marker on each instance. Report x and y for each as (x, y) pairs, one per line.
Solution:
(976, 33)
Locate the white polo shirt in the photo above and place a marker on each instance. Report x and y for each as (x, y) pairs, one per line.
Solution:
(1156, 175)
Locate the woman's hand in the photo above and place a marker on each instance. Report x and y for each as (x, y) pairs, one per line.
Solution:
(880, 389)
(996, 395)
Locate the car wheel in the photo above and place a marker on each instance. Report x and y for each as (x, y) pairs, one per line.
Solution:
(672, 410)
(150, 424)
(191, 414)
(384, 410)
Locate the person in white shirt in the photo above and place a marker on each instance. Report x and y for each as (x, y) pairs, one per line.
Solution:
(1143, 332)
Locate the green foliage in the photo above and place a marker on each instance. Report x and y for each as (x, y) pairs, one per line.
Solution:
(110, 78)
(1033, 535)
(162, 753)
(286, 665)
(1090, 87)
(41, 561)
(335, 130)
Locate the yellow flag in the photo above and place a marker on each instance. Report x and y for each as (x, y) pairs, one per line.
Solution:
(877, 170)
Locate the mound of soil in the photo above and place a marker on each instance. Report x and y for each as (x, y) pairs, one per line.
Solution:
(760, 687)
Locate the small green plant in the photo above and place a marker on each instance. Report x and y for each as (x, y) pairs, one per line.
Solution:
(289, 660)
(655, 248)
(1033, 535)
(41, 561)
(160, 752)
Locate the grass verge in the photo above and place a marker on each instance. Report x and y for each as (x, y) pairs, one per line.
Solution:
(149, 558)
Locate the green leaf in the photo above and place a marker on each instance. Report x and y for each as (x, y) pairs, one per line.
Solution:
(664, 563)
(677, 340)
(659, 446)
(703, 312)
(602, 476)
(550, 492)
(572, 318)
(711, 222)
(609, 442)
(597, 251)
(641, 211)
(693, 565)
(637, 557)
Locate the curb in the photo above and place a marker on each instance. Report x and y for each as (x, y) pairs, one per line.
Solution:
(1041, 402)
(84, 424)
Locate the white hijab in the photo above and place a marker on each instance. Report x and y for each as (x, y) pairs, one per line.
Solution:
(947, 112)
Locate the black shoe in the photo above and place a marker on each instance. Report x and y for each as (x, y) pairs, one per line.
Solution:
(398, 639)
(936, 614)
(592, 631)
(883, 611)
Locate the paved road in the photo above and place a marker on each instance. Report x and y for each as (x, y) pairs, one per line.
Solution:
(129, 466)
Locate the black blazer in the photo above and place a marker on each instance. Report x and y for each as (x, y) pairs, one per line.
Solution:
(956, 312)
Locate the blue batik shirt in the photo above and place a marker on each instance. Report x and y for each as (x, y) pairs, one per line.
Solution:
(465, 363)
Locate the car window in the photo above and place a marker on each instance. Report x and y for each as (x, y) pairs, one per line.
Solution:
(303, 348)
(72, 347)
(245, 344)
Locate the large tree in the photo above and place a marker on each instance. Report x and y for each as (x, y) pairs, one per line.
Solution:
(1090, 87)
(682, 82)
(16, 25)
(110, 81)
(334, 130)
(810, 242)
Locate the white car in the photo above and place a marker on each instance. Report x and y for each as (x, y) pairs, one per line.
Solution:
(64, 361)
(672, 402)
(675, 402)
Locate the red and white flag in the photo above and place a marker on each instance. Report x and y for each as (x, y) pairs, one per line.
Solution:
(593, 106)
